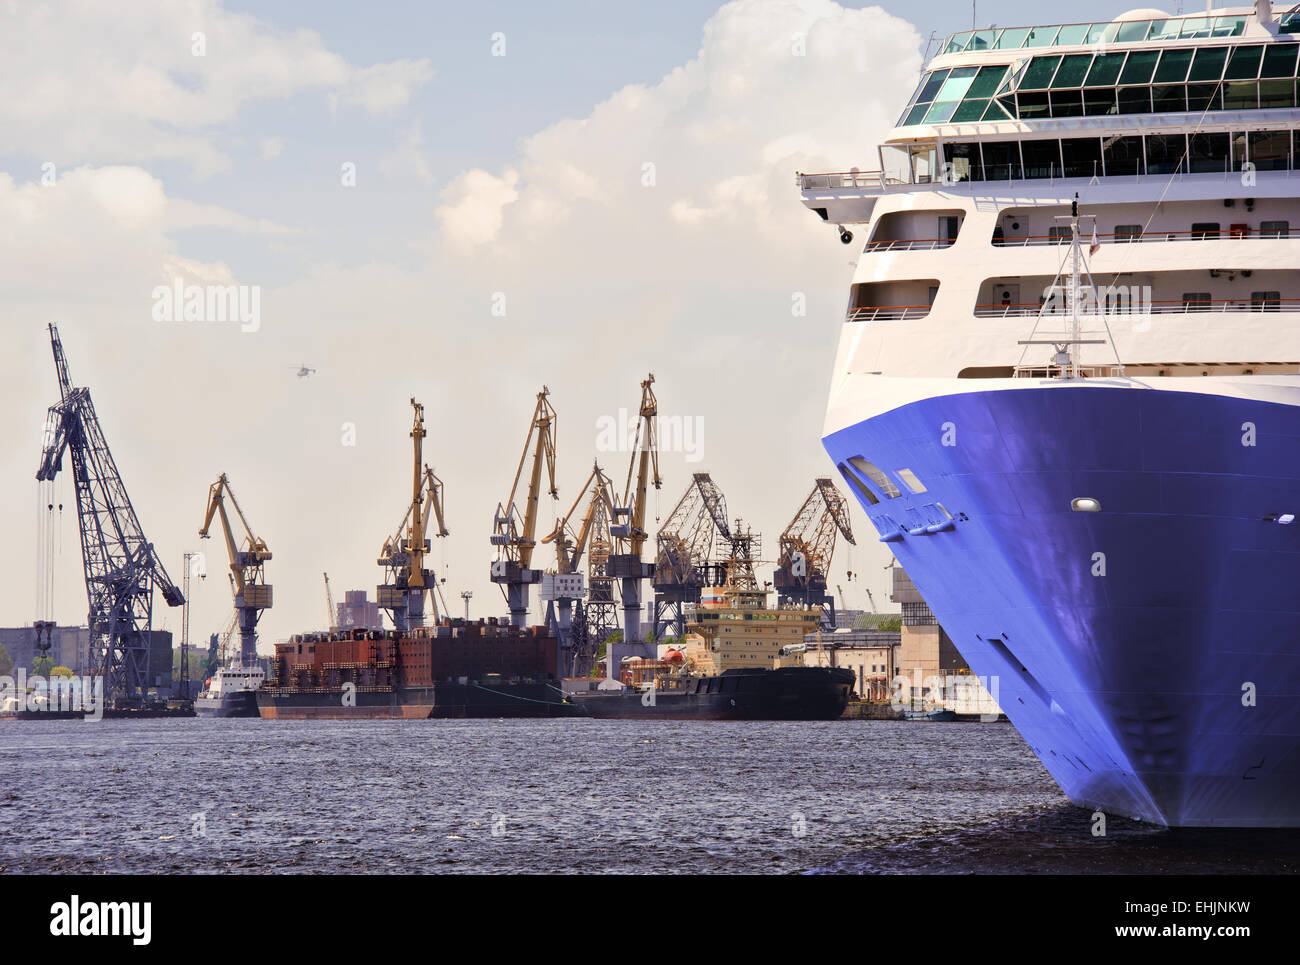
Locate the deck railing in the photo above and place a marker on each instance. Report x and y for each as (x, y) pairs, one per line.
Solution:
(1124, 238)
(1175, 306)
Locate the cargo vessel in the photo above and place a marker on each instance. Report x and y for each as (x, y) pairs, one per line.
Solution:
(1067, 393)
(454, 669)
(726, 665)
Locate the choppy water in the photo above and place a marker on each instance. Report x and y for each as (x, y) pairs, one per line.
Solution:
(560, 796)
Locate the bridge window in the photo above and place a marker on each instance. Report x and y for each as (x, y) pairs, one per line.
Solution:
(1127, 233)
(1123, 155)
(1270, 150)
(1208, 153)
(1274, 229)
(1196, 301)
(1205, 230)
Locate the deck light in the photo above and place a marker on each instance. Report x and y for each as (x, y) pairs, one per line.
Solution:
(1085, 504)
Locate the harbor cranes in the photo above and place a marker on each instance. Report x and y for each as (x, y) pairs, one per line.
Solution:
(807, 545)
(563, 586)
(247, 558)
(684, 552)
(120, 565)
(512, 531)
(628, 519)
(406, 578)
(628, 533)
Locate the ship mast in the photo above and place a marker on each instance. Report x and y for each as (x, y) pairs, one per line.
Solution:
(1066, 357)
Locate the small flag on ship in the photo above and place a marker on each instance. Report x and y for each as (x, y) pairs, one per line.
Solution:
(1096, 245)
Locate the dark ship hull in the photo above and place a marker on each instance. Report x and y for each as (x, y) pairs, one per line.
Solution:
(470, 699)
(241, 703)
(788, 693)
(455, 669)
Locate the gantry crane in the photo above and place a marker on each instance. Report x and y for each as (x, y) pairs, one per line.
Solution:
(684, 544)
(629, 532)
(406, 578)
(512, 531)
(252, 593)
(806, 549)
(121, 567)
(563, 586)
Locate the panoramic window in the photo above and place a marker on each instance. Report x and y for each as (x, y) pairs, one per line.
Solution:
(870, 470)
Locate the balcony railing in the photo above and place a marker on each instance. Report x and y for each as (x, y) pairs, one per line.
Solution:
(887, 313)
(1175, 306)
(909, 244)
(1125, 238)
(839, 180)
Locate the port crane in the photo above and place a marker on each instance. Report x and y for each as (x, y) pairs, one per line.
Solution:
(807, 545)
(684, 546)
(563, 586)
(406, 578)
(332, 620)
(247, 559)
(628, 524)
(513, 532)
(120, 565)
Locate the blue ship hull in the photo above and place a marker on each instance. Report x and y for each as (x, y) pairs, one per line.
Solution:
(1149, 653)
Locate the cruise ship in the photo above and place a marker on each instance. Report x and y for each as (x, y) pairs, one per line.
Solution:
(1067, 392)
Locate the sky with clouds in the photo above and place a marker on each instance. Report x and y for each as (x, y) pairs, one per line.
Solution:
(617, 177)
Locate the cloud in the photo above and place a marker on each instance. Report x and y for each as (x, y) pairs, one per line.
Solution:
(777, 85)
(139, 83)
(475, 204)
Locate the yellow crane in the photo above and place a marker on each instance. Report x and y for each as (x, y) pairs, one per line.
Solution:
(628, 521)
(247, 557)
(512, 531)
(406, 578)
(563, 585)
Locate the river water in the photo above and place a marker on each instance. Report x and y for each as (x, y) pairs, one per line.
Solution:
(563, 796)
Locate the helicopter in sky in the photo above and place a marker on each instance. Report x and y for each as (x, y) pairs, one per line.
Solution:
(303, 370)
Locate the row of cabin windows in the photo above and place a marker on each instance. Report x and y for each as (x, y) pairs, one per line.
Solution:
(1085, 157)
(1265, 301)
(1201, 231)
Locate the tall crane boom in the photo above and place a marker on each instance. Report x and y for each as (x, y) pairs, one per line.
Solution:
(247, 558)
(512, 531)
(121, 567)
(406, 578)
(563, 586)
(807, 546)
(684, 547)
(629, 532)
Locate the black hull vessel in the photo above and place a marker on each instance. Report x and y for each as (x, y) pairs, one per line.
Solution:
(787, 693)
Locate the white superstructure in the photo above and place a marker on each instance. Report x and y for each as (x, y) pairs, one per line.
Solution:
(1179, 137)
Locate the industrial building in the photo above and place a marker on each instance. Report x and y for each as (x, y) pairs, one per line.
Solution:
(871, 655)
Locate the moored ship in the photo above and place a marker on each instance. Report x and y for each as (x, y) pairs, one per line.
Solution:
(1067, 393)
(454, 669)
(231, 691)
(725, 668)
